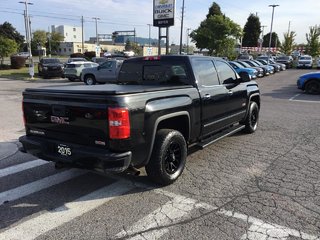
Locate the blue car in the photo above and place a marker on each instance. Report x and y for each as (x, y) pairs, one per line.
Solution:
(309, 82)
(253, 73)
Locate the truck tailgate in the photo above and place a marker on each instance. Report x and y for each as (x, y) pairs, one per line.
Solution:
(74, 118)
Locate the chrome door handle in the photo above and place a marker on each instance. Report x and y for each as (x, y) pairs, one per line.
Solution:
(206, 96)
(230, 92)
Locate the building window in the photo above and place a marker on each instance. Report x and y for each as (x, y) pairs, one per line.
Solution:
(65, 50)
(59, 49)
(66, 34)
(74, 29)
(79, 50)
(74, 36)
(69, 49)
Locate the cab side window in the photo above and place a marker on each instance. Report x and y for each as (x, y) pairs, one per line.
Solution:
(106, 65)
(205, 72)
(226, 73)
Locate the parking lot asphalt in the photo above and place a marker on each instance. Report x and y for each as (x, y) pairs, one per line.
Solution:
(264, 185)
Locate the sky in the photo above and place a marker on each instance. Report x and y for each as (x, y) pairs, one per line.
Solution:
(121, 15)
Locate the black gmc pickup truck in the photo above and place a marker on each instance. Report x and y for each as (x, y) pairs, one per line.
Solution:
(159, 108)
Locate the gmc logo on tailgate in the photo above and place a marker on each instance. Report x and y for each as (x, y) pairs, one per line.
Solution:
(59, 120)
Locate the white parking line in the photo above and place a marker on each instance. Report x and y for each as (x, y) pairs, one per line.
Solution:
(39, 185)
(293, 99)
(166, 215)
(169, 213)
(21, 167)
(33, 228)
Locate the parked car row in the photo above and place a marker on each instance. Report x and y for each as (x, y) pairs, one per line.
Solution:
(257, 68)
(102, 70)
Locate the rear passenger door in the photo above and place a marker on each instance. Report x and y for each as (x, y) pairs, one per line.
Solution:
(237, 91)
(214, 96)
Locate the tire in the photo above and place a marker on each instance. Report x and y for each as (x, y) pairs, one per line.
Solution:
(312, 87)
(251, 121)
(89, 80)
(168, 157)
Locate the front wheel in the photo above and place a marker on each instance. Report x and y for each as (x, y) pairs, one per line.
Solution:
(168, 157)
(251, 121)
(312, 87)
(89, 80)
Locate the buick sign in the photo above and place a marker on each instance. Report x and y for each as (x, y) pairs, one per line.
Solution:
(163, 13)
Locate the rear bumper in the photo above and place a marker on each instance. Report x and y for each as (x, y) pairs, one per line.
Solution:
(82, 156)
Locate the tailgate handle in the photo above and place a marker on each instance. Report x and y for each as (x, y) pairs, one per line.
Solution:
(59, 111)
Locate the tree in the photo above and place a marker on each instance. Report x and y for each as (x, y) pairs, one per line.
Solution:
(39, 39)
(288, 43)
(132, 46)
(9, 32)
(313, 44)
(7, 47)
(275, 42)
(252, 31)
(214, 10)
(54, 40)
(217, 33)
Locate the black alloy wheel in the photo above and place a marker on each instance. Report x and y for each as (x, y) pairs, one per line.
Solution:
(251, 121)
(313, 87)
(168, 157)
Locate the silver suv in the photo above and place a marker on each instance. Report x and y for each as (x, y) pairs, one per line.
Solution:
(106, 72)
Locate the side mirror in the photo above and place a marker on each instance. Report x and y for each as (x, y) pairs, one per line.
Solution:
(245, 77)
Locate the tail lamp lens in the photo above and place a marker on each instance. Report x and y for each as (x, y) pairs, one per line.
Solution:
(119, 123)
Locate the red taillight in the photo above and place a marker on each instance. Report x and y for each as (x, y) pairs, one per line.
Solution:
(119, 123)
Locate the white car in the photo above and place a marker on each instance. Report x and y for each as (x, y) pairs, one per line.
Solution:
(305, 61)
(73, 70)
(23, 54)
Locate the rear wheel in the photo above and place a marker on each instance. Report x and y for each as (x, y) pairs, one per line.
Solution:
(251, 122)
(90, 80)
(168, 157)
(312, 87)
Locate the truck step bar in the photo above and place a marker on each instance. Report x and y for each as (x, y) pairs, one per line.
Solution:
(220, 135)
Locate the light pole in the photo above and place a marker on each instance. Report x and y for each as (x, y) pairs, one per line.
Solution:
(28, 37)
(273, 6)
(97, 37)
(181, 32)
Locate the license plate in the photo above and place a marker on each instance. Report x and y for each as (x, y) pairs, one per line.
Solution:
(64, 150)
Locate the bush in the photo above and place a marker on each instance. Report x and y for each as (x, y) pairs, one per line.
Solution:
(77, 55)
(90, 55)
(4, 67)
(17, 62)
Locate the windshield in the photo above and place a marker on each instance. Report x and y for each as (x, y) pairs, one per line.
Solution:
(153, 73)
(305, 58)
(51, 60)
(283, 58)
(73, 65)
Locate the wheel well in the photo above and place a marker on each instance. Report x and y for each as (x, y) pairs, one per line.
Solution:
(179, 123)
(89, 74)
(256, 99)
(309, 80)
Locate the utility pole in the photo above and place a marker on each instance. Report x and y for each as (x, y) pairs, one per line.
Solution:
(262, 35)
(28, 36)
(289, 28)
(181, 32)
(273, 6)
(82, 35)
(97, 37)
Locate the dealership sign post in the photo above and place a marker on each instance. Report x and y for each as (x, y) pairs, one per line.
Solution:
(163, 17)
